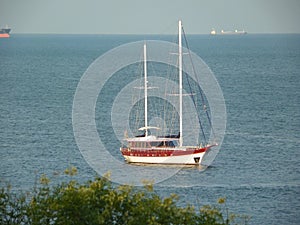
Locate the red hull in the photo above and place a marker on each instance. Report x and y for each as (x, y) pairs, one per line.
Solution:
(161, 152)
(4, 35)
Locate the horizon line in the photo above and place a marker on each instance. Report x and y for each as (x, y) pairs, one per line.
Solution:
(149, 34)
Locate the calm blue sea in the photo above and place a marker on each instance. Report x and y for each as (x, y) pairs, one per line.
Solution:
(258, 166)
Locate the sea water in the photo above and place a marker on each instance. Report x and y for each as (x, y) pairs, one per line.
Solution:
(257, 167)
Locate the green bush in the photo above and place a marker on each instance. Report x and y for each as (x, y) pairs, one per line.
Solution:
(97, 202)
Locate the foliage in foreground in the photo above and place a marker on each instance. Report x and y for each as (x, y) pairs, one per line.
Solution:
(97, 202)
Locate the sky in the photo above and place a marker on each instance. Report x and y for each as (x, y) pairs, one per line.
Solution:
(149, 16)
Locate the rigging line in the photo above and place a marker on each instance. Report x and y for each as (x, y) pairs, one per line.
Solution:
(137, 96)
(156, 105)
(166, 111)
(175, 113)
(170, 113)
(174, 117)
(195, 104)
(200, 91)
(174, 78)
(192, 96)
(140, 94)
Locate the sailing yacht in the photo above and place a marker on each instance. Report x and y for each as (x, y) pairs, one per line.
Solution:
(153, 149)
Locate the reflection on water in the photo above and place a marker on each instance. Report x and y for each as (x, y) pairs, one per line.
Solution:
(183, 166)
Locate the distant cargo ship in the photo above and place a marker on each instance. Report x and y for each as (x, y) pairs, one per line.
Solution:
(233, 32)
(213, 32)
(4, 32)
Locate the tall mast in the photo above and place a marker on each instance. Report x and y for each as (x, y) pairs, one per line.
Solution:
(145, 87)
(180, 82)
